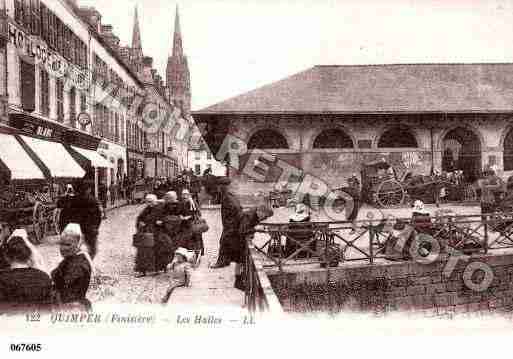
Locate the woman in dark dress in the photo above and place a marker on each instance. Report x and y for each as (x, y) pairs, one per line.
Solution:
(191, 209)
(146, 223)
(231, 211)
(168, 225)
(73, 275)
(299, 233)
(23, 288)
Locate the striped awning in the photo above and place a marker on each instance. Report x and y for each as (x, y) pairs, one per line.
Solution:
(55, 157)
(94, 157)
(20, 165)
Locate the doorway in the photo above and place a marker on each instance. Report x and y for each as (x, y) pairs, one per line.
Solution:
(461, 150)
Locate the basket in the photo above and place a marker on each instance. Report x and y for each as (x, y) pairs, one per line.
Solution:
(143, 240)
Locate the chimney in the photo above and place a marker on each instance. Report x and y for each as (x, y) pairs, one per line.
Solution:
(91, 16)
(73, 4)
(148, 61)
(106, 29)
(109, 36)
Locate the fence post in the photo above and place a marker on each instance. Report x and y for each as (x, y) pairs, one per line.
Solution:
(327, 259)
(371, 241)
(486, 235)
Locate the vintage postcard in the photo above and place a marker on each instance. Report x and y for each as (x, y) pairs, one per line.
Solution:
(190, 167)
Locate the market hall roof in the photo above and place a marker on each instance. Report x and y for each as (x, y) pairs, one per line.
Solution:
(395, 88)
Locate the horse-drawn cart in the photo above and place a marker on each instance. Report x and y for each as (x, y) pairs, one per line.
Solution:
(37, 214)
(382, 186)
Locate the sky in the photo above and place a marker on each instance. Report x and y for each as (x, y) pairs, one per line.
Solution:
(234, 46)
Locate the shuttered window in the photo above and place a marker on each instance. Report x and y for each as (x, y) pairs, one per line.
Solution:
(73, 107)
(105, 124)
(44, 23)
(122, 128)
(18, 12)
(45, 93)
(116, 130)
(60, 100)
(83, 107)
(28, 86)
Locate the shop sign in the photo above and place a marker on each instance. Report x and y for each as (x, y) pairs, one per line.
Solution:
(33, 47)
(35, 126)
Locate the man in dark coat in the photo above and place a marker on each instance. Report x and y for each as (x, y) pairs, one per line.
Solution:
(84, 210)
(231, 212)
(5, 233)
(249, 219)
(195, 188)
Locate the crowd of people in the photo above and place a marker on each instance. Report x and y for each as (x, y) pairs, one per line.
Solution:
(27, 284)
(167, 238)
(25, 280)
(162, 227)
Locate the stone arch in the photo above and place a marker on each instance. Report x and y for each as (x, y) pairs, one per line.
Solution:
(331, 137)
(267, 138)
(461, 148)
(397, 136)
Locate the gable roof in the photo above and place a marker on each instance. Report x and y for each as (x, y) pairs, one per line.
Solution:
(381, 89)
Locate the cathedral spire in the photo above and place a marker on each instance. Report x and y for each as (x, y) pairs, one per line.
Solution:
(178, 78)
(177, 38)
(136, 35)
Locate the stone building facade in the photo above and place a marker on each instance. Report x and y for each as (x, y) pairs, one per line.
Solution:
(328, 121)
(63, 74)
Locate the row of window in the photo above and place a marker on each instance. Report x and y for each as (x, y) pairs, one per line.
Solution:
(106, 76)
(136, 137)
(108, 124)
(44, 99)
(41, 21)
(197, 155)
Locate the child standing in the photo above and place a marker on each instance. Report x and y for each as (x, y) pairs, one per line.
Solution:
(180, 271)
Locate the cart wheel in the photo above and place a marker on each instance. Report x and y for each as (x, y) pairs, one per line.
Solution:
(56, 219)
(390, 193)
(469, 193)
(38, 223)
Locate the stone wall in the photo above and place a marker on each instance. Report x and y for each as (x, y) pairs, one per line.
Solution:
(431, 289)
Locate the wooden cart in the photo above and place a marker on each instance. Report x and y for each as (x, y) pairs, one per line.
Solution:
(39, 218)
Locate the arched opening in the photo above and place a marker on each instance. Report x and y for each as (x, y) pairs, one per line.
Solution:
(267, 139)
(333, 138)
(462, 151)
(507, 153)
(397, 137)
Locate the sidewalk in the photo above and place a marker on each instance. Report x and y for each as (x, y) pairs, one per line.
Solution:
(117, 204)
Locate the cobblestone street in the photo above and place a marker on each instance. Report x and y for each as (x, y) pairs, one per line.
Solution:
(115, 283)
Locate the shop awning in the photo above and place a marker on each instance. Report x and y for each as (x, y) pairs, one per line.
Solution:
(16, 159)
(94, 157)
(55, 157)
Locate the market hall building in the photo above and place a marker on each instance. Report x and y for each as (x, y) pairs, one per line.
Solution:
(328, 121)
